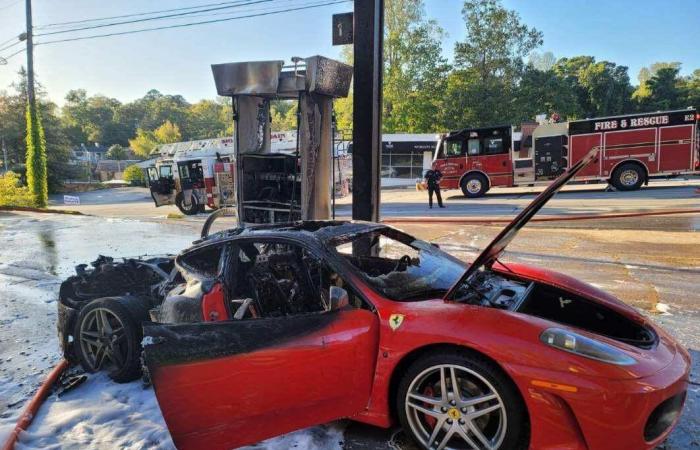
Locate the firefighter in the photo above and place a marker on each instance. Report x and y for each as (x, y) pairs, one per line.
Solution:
(432, 179)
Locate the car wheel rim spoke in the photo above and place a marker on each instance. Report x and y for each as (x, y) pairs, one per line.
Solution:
(103, 339)
(480, 436)
(468, 409)
(425, 410)
(425, 399)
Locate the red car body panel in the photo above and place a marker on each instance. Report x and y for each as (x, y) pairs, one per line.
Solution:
(241, 399)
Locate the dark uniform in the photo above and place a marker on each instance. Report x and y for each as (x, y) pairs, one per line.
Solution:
(432, 177)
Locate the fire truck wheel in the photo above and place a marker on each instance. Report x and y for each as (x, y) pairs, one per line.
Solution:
(628, 177)
(474, 185)
(190, 210)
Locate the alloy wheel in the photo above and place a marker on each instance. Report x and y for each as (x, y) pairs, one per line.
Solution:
(103, 339)
(453, 407)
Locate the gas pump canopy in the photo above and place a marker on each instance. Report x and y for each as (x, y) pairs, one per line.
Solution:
(279, 187)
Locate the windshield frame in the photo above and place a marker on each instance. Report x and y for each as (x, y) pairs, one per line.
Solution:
(417, 244)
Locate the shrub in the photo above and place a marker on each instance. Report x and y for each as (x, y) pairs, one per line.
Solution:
(134, 175)
(12, 193)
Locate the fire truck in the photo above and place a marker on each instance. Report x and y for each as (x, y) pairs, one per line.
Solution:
(195, 174)
(632, 149)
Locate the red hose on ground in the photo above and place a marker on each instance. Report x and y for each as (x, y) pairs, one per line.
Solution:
(33, 407)
(469, 220)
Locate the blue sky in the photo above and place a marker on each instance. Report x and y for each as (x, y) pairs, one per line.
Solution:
(632, 33)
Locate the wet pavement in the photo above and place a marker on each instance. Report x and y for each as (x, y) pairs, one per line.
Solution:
(651, 264)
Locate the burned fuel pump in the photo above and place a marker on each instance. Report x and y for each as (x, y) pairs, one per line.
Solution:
(275, 187)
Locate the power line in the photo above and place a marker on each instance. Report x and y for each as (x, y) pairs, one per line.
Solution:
(125, 22)
(13, 54)
(10, 46)
(10, 4)
(192, 23)
(9, 40)
(97, 19)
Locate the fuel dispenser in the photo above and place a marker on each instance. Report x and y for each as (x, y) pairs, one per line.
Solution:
(276, 187)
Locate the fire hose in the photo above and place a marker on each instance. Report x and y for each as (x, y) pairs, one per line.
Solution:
(475, 220)
(33, 406)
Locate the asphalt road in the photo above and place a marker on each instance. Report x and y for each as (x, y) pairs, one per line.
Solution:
(498, 203)
(655, 268)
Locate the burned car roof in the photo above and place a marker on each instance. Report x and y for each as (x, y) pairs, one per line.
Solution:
(322, 231)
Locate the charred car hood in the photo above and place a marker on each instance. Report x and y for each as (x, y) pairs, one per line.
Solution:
(492, 251)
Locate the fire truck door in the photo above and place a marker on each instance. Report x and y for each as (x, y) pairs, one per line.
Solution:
(491, 155)
(162, 185)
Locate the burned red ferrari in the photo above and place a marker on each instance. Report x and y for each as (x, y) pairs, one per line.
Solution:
(254, 332)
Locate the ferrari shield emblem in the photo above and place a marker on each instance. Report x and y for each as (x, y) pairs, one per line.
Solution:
(395, 321)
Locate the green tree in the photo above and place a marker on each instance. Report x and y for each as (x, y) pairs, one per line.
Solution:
(284, 115)
(489, 65)
(13, 128)
(134, 175)
(543, 92)
(146, 141)
(691, 90)
(117, 152)
(602, 88)
(36, 158)
(664, 89)
(143, 143)
(167, 133)
(414, 70)
(206, 119)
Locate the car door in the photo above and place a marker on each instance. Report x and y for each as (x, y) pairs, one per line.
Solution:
(232, 383)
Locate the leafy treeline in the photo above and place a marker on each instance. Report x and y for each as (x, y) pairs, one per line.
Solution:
(497, 75)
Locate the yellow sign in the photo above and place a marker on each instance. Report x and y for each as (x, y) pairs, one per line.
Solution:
(395, 321)
(453, 413)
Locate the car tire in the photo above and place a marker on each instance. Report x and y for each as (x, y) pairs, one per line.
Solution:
(628, 177)
(192, 210)
(446, 419)
(116, 346)
(474, 185)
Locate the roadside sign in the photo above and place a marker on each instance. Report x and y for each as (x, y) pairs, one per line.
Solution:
(71, 200)
(343, 29)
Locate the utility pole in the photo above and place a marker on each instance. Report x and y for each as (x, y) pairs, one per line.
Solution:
(31, 98)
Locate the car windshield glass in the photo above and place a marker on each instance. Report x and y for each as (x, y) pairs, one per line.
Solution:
(399, 266)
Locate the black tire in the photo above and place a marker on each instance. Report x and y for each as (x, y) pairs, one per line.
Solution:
(96, 350)
(628, 177)
(193, 209)
(474, 185)
(516, 432)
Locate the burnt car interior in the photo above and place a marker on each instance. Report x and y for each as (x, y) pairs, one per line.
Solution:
(269, 278)
(399, 266)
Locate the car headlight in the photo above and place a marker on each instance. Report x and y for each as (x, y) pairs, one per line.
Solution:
(584, 346)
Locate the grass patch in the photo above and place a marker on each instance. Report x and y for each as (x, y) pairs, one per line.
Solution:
(175, 216)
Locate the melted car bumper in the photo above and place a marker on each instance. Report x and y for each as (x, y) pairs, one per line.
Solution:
(570, 411)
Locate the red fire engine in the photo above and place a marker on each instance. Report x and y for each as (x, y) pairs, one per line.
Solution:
(633, 149)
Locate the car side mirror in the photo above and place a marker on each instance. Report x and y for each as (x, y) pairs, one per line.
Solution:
(339, 298)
